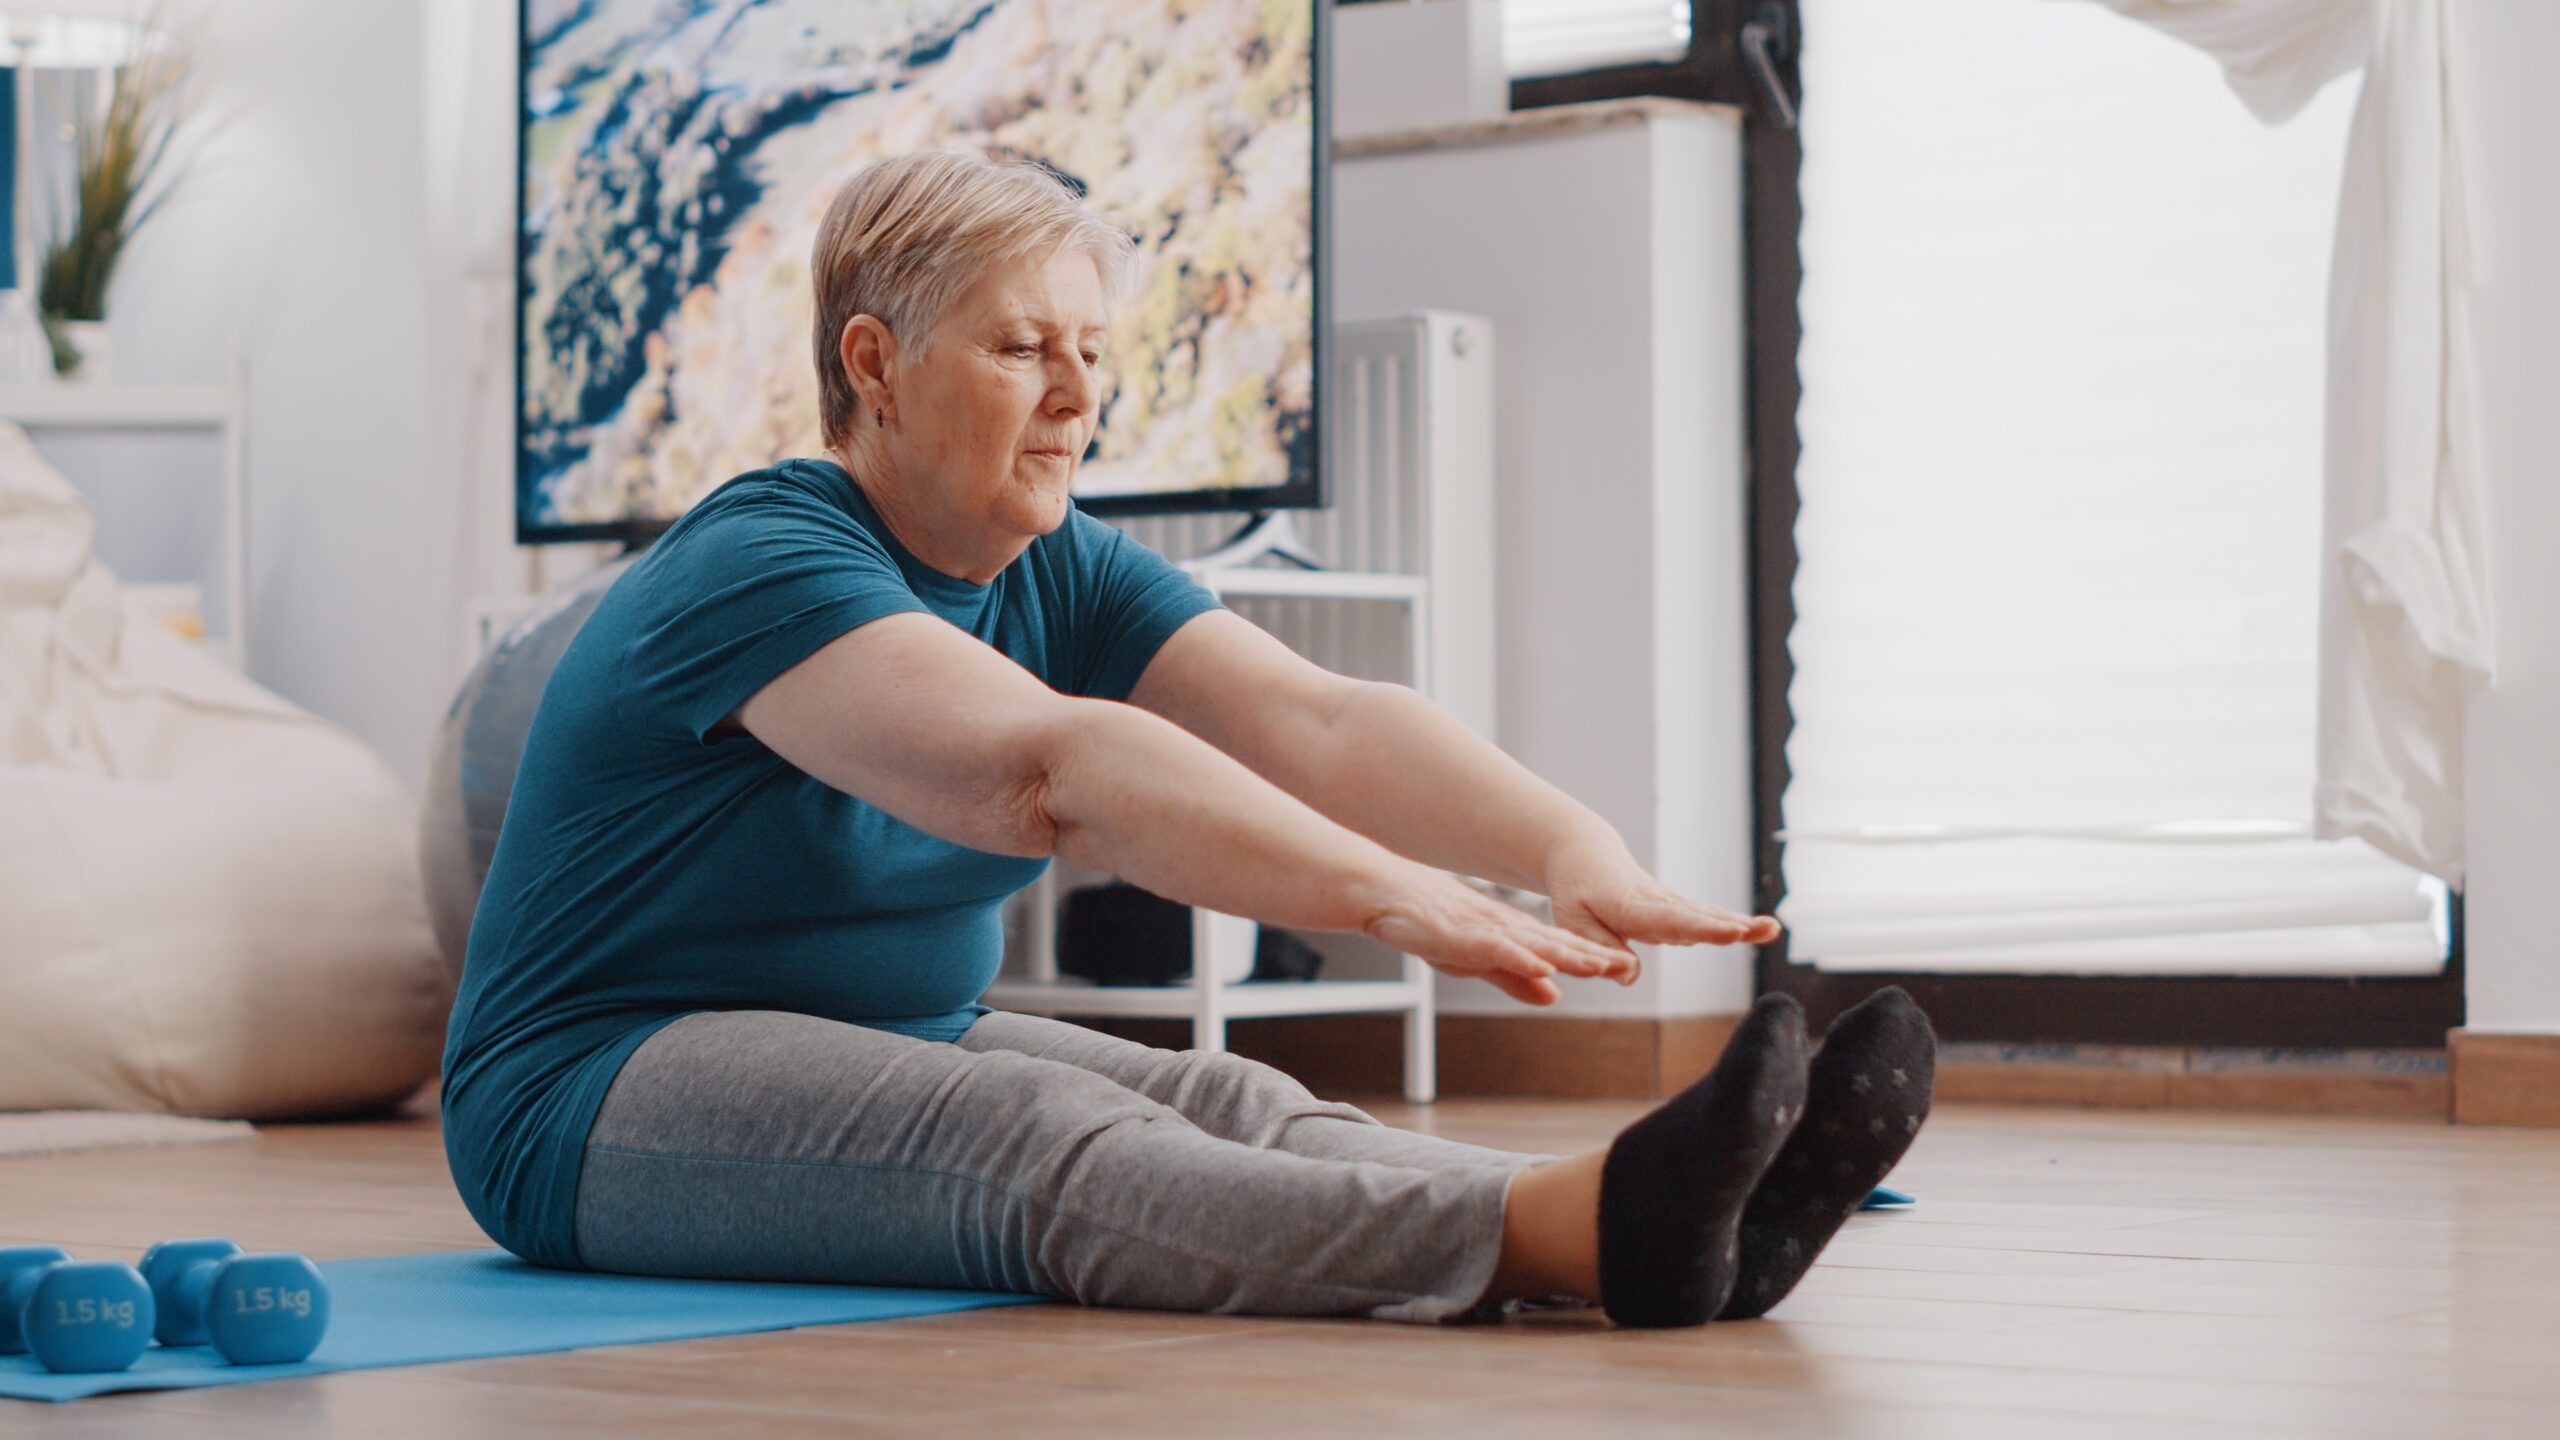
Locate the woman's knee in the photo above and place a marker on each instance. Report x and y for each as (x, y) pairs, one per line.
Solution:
(1020, 1112)
(1221, 1092)
(1256, 1099)
(1237, 1072)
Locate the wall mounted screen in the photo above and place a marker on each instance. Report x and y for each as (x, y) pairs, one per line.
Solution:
(676, 158)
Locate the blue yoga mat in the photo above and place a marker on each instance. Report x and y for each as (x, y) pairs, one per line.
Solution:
(474, 1304)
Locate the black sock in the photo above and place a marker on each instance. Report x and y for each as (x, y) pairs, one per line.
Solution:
(1865, 1096)
(1673, 1186)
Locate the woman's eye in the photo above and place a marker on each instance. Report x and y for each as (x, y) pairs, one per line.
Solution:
(1091, 357)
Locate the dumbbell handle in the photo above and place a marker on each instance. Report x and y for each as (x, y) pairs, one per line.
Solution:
(183, 1297)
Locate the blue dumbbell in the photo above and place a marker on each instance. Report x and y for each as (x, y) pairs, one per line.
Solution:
(253, 1309)
(75, 1315)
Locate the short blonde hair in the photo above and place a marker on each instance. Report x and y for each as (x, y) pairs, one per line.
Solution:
(905, 238)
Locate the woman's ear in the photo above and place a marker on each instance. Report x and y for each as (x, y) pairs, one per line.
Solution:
(869, 354)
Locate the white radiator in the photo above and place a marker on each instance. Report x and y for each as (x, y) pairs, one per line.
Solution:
(1411, 476)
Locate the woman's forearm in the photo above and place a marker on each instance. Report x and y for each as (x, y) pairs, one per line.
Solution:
(1131, 794)
(1411, 776)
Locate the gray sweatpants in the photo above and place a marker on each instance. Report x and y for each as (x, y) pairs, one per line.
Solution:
(1031, 1155)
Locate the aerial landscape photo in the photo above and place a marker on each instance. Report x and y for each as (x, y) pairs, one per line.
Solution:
(678, 157)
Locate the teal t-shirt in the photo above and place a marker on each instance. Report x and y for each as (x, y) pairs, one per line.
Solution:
(649, 868)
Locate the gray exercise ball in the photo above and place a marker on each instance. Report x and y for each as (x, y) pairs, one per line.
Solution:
(477, 751)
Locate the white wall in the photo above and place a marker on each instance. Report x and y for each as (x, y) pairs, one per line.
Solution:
(348, 227)
(2507, 115)
(1609, 260)
(300, 238)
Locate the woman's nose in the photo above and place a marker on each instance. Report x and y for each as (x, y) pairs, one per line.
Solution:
(1079, 391)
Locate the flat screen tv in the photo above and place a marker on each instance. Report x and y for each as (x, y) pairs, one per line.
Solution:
(675, 156)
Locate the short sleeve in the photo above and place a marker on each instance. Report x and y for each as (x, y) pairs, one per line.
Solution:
(1131, 600)
(746, 591)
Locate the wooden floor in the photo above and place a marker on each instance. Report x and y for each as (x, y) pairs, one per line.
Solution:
(2067, 1274)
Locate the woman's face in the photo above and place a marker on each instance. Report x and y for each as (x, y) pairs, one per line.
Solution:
(992, 423)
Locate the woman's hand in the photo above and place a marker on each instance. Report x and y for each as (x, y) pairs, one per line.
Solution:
(1600, 893)
(1455, 929)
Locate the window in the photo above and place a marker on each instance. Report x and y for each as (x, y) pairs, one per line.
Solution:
(2056, 600)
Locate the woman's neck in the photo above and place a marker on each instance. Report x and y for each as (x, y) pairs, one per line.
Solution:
(881, 485)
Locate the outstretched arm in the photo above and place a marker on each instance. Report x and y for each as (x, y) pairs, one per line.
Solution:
(1385, 762)
(931, 725)
(1407, 774)
(1404, 772)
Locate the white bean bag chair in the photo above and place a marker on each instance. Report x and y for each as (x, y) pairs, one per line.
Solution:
(209, 900)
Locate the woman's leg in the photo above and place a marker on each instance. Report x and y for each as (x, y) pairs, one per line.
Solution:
(1234, 1098)
(764, 1145)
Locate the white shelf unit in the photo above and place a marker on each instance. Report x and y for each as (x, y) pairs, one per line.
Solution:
(1412, 508)
(104, 408)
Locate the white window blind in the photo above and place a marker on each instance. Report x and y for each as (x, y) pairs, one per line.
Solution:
(1559, 37)
(2056, 615)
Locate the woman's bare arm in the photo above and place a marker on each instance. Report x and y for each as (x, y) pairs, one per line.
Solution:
(1398, 768)
(1137, 796)
(941, 731)
(1133, 794)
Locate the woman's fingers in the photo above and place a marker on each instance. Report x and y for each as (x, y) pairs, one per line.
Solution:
(1607, 959)
(1571, 941)
(1579, 957)
(1588, 937)
(1524, 989)
(1673, 919)
(1560, 948)
(1514, 951)
(1682, 918)
(1591, 964)
(1507, 956)
(1516, 971)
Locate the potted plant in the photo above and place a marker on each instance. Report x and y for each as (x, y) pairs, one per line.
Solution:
(118, 156)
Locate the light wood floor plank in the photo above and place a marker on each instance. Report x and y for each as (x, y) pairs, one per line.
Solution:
(2076, 1274)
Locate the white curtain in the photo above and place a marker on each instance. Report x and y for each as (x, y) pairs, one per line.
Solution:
(2405, 624)
(2059, 631)
(1559, 37)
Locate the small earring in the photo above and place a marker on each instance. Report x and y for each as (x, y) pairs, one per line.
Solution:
(879, 419)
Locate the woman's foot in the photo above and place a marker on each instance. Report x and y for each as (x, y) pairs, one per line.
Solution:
(1674, 1184)
(1866, 1094)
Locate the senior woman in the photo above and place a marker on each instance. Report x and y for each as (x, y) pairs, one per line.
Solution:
(719, 1014)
